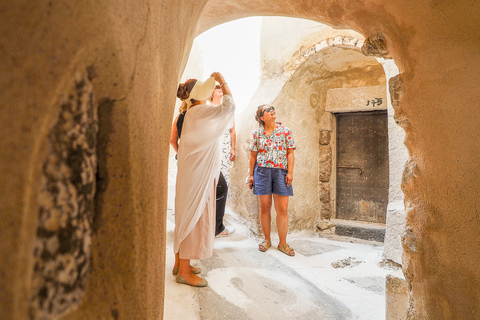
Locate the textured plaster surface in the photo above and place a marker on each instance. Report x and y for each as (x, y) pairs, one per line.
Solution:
(356, 99)
(398, 155)
(396, 295)
(138, 52)
(116, 44)
(393, 232)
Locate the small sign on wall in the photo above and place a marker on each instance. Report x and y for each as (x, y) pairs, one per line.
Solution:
(357, 99)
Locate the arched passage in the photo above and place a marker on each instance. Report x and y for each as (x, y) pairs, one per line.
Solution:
(425, 205)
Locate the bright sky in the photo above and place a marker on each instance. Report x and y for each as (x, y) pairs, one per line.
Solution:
(233, 49)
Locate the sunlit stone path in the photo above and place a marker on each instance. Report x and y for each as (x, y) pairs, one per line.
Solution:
(336, 278)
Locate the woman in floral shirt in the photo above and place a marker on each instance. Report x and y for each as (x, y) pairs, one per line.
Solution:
(271, 173)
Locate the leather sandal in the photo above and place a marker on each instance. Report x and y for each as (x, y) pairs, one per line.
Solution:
(264, 246)
(202, 283)
(286, 249)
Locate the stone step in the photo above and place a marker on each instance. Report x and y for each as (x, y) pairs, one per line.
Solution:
(360, 229)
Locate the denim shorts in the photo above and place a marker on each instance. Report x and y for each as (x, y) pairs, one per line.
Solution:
(270, 180)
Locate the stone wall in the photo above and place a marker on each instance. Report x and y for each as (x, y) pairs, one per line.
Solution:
(82, 221)
(398, 156)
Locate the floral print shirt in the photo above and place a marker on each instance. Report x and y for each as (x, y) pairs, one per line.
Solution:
(272, 149)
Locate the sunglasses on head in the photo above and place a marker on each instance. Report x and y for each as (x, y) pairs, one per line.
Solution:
(269, 109)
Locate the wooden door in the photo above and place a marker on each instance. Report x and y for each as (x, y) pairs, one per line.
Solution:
(362, 166)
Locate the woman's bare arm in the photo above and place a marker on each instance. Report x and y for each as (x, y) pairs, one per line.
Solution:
(253, 160)
(233, 138)
(290, 161)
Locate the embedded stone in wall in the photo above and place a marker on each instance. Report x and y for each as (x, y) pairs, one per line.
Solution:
(325, 210)
(410, 175)
(338, 40)
(324, 192)
(349, 41)
(322, 44)
(326, 121)
(396, 296)
(325, 163)
(324, 137)
(376, 46)
(396, 88)
(62, 246)
(356, 99)
(325, 225)
(308, 52)
(409, 241)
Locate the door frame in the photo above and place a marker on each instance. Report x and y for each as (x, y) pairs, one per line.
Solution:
(333, 179)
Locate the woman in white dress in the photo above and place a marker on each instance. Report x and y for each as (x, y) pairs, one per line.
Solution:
(198, 172)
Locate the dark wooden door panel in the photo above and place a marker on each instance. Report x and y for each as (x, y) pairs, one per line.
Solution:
(362, 166)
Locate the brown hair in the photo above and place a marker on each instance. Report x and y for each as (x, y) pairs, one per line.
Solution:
(183, 92)
(259, 114)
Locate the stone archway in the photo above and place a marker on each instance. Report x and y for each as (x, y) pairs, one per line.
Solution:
(315, 189)
(300, 97)
(137, 52)
(428, 209)
(343, 41)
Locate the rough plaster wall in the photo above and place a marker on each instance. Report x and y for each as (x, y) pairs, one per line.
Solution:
(435, 45)
(134, 54)
(398, 155)
(439, 100)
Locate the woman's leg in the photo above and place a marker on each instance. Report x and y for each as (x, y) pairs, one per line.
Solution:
(265, 217)
(185, 271)
(177, 262)
(281, 206)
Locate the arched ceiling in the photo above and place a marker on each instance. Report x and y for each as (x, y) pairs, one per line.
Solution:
(362, 16)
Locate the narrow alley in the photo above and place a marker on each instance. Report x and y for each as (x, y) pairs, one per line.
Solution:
(335, 278)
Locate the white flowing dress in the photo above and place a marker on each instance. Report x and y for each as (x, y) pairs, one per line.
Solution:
(198, 172)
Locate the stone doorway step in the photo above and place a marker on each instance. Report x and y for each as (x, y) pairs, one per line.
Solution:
(359, 229)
